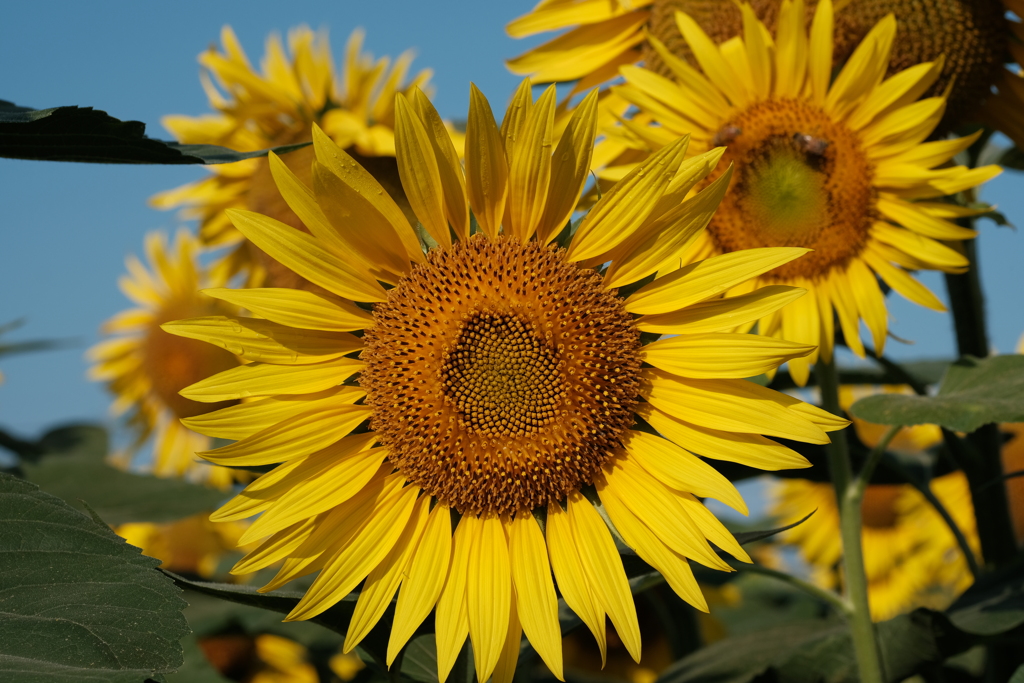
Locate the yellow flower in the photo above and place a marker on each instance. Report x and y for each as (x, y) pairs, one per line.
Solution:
(145, 368)
(497, 385)
(840, 167)
(267, 658)
(974, 37)
(911, 558)
(277, 107)
(193, 545)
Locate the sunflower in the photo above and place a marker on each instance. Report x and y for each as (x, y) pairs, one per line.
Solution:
(265, 658)
(145, 368)
(277, 107)
(841, 168)
(193, 545)
(911, 558)
(975, 37)
(498, 384)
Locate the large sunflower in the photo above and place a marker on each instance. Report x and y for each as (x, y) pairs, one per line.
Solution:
(500, 388)
(840, 167)
(277, 107)
(974, 36)
(145, 368)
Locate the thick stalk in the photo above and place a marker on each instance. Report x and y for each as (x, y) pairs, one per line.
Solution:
(991, 507)
(862, 629)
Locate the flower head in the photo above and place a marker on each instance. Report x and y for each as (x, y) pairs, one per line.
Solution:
(277, 107)
(840, 167)
(145, 367)
(504, 384)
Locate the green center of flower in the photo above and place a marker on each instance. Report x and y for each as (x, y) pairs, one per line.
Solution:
(785, 196)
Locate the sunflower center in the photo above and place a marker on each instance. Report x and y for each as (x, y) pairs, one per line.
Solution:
(879, 507)
(801, 180)
(171, 363)
(501, 376)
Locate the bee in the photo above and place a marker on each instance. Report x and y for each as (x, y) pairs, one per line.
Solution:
(808, 144)
(726, 136)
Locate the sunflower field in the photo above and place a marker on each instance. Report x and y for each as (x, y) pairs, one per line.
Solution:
(666, 356)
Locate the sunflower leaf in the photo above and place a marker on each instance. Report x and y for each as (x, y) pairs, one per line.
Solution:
(69, 462)
(993, 605)
(89, 135)
(974, 392)
(78, 602)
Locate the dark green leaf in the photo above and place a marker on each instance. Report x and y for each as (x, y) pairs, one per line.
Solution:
(78, 603)
(73, 468)
(90, 135)
(993, 605)
(1018, 676)
(973, 393)
(420, 660)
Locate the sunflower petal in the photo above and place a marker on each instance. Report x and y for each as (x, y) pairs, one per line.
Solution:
(453, 182)
(418, 168)
(265, 379)
(722, 354)
(722, 314)
(488, 591)
(535, 592)
(297, 308)
(530, 167)
(486, 167)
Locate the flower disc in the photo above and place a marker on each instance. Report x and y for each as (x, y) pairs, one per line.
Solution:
(801, 180)
(501, 376)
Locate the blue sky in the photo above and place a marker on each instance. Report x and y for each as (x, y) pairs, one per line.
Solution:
(67, 227)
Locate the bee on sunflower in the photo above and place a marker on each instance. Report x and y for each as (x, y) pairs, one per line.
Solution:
(464, 422)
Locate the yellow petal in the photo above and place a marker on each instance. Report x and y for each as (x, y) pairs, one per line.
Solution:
(923, 248)
(910, 216)
(505, 668)
(486, 168)
(711, 527)
(721, 354)
(275, 548)
(903, 282)
(453, 183)
(349, 566)
(709, 56)
(535, 591)
(488, 591)
(870, 302)
(359, 179)
(451, 619)
(297, 308)
(245, 419)
(426, 577)
(264, 379)
(722, 314)
(382, 583)
(299, 436)
(653, 503)
(864, 70)
(516, 114)
(603, 568)
(819, 62)
(570, 168)
(838, 288)
(791, 50)
(418, 168)
(732, 405)
(652, 550)
(530, 167)
(627, 205)
(265, 341)
(681, 470)
(705, 279)
(573, 584)
(300, 252)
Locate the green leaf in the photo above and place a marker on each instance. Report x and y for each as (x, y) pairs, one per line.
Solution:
(90, 135)
(72, 467)
(974, 392)
(1018, 676)
(78, 603)
(993, 605)
(818, 650)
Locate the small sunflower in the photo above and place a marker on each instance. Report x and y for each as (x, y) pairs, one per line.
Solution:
(256, 111)
(911, 558)
(975, 37)
(145, 367)
(503, 384)
(265, 658)
(840, 167)
(193, 545)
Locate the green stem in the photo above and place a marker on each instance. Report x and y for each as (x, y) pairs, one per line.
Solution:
(849, 495)
(833, 600)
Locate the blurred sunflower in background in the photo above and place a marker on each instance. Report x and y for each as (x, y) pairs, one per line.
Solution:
(264, 658)
(911, 558)
(975, 37)
(838, 166)
(497, 383)
(277, 107)
(145, 367)
(193, 545)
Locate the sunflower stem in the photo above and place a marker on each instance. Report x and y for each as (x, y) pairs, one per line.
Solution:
(833, 600)
(849, 495)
